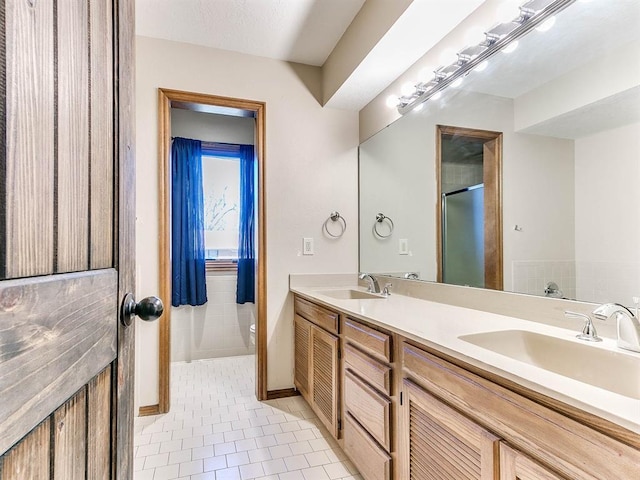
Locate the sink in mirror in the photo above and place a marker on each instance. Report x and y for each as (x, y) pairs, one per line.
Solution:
(350, 294)
(610, 370)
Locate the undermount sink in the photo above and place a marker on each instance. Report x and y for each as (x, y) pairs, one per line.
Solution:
(350, 294)
(613, 371)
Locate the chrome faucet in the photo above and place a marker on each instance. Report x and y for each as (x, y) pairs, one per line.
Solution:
(589, 332)
(627, 324)
(373, 283)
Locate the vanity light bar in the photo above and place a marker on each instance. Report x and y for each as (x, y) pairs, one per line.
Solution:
(532, 13)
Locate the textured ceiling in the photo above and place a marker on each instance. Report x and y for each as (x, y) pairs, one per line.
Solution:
(302, 31)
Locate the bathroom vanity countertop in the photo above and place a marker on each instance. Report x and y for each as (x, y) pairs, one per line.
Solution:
(439, 326)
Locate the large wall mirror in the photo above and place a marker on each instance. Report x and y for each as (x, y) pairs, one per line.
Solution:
(567, 105)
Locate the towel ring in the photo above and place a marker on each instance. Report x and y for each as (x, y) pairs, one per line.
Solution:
(335, 217)
(381, 217)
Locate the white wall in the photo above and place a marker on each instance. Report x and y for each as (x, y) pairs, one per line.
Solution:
(212, 127)
(219, 328)
(608, 214)
(311, 170)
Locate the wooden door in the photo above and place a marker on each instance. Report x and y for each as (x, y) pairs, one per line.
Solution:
(66, 239)
(302, 347)
(324, 378)
(442, 443)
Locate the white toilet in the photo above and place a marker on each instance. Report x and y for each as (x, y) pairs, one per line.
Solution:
(252, 334)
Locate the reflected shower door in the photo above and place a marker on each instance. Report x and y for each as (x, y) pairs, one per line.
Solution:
(463, 237)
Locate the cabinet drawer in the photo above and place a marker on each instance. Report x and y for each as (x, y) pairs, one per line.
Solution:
(370, 408)
(368, 338)
(317, 314)
(372, 462)
(376, 373)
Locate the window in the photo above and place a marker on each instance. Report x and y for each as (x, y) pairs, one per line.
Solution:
(221, 191)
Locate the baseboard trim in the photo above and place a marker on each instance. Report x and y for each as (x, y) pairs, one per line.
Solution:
(282, 393)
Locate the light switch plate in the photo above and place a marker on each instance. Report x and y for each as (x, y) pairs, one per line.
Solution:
(307, 246)
(403, 246)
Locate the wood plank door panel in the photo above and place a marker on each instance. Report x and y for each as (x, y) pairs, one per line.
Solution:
(66, 239)
(27, 167)
(52, 342)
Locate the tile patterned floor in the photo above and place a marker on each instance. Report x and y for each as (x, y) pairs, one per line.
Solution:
(217, 430)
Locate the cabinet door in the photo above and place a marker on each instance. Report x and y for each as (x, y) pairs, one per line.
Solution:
(302, 336)
(324, 377)
(514, 465)
(442, 443)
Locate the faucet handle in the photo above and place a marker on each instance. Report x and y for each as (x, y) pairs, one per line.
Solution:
(386, 291)
(589, 332)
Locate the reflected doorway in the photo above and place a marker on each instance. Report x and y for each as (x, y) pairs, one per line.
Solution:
(469, 207)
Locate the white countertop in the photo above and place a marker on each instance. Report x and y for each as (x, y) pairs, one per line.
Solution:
(439, 326)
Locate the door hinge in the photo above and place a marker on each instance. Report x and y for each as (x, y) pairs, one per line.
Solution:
(401, 399)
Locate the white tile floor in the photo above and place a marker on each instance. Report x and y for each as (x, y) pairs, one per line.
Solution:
(217, 430)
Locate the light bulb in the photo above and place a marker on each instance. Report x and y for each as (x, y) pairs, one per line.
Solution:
(457, 82)
(392, 101)
(546, 25)
(482, 66)
(419, 107)
(407, 89)
(511, 47)
(437, 95)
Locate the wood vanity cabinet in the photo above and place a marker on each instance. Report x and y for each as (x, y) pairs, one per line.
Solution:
(368, 401)
(412, 413)
(515, 465)
(316, 361)
(537, 442)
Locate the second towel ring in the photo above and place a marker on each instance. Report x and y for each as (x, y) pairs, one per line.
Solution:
(335, 217)
(381, 217)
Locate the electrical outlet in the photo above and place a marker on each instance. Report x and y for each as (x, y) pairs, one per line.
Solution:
(307, 246)
(403, 246)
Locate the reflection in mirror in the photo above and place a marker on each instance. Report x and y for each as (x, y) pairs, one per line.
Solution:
(567, 103)
(468, 164)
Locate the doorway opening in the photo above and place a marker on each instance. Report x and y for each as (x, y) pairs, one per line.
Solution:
(469, 207)
(239, 108)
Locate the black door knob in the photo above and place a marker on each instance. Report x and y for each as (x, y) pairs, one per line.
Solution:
(147, 309)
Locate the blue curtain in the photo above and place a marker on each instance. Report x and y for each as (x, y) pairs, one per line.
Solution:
(187, 224)
(245, 291)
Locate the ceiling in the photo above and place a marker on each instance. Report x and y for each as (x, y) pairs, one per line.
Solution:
(302, 31)
(307, 31)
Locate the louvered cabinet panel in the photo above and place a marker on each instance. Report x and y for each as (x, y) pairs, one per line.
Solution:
(302, 333)
(514, 465)
(443, 444)
(324, 372)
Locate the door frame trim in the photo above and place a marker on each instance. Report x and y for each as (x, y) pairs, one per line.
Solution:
(199, 101)
(494, 272)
